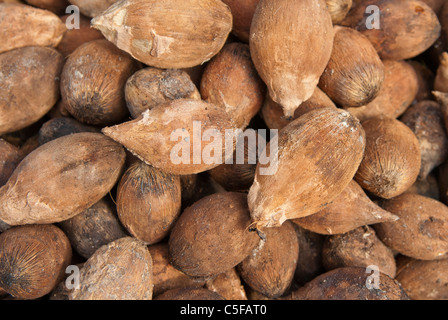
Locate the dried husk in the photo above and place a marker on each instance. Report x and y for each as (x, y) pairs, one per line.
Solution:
(290, 44)
(425, 79)
(24, 26)
(350, 210)
(338, 9)
(352, 80)
(9, 159)
(62, 126)
(273, 116)
(190, 294)
(33, 260)
(426, 120)
(150, 87)
(242, 12)
(93, 81)
(150, 136)
(84, 166)
(349, 283)
(421, 232)
(231, 81)
(166, 277)
(270, 268)
(441, 79)
(228, 285)
(392, 158)
(93, 228)
(358, 248)
(407, 28)
(425, 280)
(398, 92)
(167, 34)
(316, 158)
(148, 202)
(120, 270)
(29, 86)
(56, 6)
(212, 236)
(428, 187)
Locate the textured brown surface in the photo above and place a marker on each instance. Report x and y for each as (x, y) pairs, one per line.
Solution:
(9, 159)
(352, 80)
(92, 8)
(421, 232)
(407, 28)
(29, 85)
(62, 126)
(338, 9)
(61, 178)
(167, 34)
(121, 270)
(290, 45)
(391, 162)
(56, 6)
(231, 81)
(242, 12)
(318, 155)
(228, 285)
(270, 268)
(93, 81)
(148, 202)
(23, 25)
(350, 210)
(211, 236)
(397, 93)
(189, 294)
(33, 260)
(150, 87)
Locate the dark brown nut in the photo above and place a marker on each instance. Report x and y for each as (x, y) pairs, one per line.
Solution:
(93, 81)
(9, 159)
(358, 248)
(392, 158)
(425, 79)
(426, 120)
(92, 8)
(270, 268)
(167, 34)
(62, 126)
(407, 28)
(350, 210)
(120, 270)
(318, 155)
(399, 89)
(441, 79)
(291, 70)
(352, 80)
(29, 86)
(24, 26)
(231, 81)
(242, 12)
(228, 285)
(150, 87)
(428, 187)
(93, 228)
(33, 260)
(212, 236)
(56, 6)
(148, 202)
(83, 166)
(338, 9)
(350, 283)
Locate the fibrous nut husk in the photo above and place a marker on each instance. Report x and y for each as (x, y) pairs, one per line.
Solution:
(167, 136)
(290, 69)
(29, 86)
(92, 8)
(358, 248)
(62, 126)
(93, 228)
(120, 270)
(150, 87)
(421, 232)
(212, 236)
(316, 158)
(242, 13)
(9, 159)
(350, 210)
(441, 79)
(148, 202)
(56, 6)
(228, 285)
(231, 81)
(167, 34)
(33, 260)
(338, 9)
(400, 30)
(426, 120)
(392, 158)
(398, 92)
(93, 81)
(351, 283)
(24, 26)
(83, 167)
(352, 80)
(270, 268)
